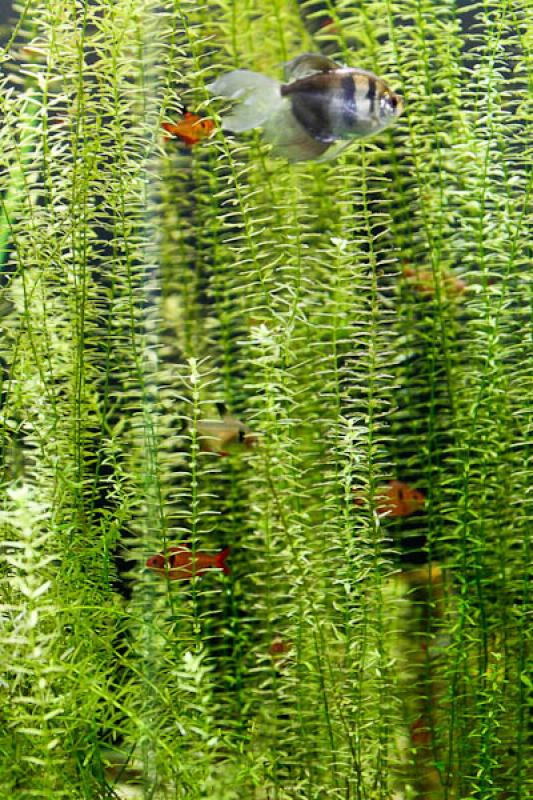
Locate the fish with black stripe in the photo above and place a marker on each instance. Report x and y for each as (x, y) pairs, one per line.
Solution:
(316, 114)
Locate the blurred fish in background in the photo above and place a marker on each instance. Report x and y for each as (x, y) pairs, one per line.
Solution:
(323, 21)
(396, 499)
(423, 281)
(182, 563)
(225, 435)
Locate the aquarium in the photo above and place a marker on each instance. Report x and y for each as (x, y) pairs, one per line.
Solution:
(266, 398)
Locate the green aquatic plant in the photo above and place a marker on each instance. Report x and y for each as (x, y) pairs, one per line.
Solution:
(370, 319)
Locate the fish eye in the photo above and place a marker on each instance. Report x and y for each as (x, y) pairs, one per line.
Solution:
(391, 104)
(386, 105)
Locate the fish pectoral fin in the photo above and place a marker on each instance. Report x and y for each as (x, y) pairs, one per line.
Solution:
(335, 150)
(289, 140)
(308, 64)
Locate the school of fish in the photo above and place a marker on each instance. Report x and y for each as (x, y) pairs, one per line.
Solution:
(314, 115)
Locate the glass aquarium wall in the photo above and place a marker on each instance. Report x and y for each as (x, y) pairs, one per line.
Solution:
(266, 396)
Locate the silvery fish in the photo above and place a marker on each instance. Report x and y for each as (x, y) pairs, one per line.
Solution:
(224, 435)
(316, 114)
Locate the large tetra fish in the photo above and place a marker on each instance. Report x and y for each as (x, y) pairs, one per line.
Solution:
(316, 114)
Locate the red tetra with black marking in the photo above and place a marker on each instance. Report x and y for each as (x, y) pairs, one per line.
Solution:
(191, 129)
(182, 564)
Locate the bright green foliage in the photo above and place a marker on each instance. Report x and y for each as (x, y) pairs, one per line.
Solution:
(142, 284)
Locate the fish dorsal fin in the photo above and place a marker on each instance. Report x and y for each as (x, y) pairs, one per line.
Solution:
(177, 548)
(308, 64)
(222, 409)
(225, 415)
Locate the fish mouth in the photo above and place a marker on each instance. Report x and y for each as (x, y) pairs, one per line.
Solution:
(398, 104)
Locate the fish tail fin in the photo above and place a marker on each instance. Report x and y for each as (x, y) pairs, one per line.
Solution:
(258, 97)
(221, 560)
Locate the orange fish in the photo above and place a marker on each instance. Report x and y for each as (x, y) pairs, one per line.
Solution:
(181, 564)
(280, 652)
(279, 646)
(424, 282)
(329, 26)
(191, 129)
(397, 499)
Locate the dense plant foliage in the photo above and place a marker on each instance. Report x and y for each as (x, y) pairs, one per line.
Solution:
(369, 319)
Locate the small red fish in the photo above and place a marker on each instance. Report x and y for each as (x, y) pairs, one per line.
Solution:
(191, 129)
(329, 25)
(397, 499)
(424, 282)
(421, 733)
(280, 652)
(181, 564)
(279, 646)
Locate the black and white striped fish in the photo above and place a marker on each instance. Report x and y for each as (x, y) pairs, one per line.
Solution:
(316, 114)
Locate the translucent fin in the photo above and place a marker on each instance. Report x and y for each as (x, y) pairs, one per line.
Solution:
(334, 150)
(259, 97)
(289, 139)
(308, 64)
